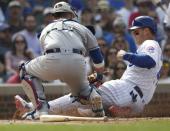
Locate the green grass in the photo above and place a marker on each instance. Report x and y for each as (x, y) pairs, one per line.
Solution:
(147, 125)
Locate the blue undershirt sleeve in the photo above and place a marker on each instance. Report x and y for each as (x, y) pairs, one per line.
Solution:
(96, 56)
(140, 60)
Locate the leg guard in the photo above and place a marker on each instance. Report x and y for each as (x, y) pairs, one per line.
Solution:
(94, 99)
(96, 102)
(34, 90)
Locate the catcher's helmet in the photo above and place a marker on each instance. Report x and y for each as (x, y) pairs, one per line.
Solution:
(144, 21)
(64, 7)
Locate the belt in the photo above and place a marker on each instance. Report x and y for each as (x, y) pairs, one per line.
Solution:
(138, 90)
(58, 50)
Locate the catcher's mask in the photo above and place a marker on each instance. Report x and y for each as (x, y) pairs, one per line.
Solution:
(64, 7)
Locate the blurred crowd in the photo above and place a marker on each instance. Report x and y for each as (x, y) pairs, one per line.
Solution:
(21, 21)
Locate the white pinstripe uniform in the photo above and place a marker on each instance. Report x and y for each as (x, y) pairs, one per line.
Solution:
(119, 92)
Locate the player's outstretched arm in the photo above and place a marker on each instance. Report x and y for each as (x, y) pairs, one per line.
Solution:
(140, 60)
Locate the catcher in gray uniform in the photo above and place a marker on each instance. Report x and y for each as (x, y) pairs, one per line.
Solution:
(65, 43)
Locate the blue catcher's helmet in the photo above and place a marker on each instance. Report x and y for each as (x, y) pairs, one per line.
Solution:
(144, 21)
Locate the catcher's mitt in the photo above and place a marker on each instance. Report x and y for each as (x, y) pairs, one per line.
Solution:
(95, 79)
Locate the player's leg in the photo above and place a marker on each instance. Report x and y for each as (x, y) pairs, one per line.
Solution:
(47, 67)
(80, 88)
(90, 96)
(122, 96)
(65, 105)
(34, 90)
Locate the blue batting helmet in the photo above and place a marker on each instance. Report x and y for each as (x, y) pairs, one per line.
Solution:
(144, 21)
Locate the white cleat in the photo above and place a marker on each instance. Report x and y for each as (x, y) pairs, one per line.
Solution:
(33, 115)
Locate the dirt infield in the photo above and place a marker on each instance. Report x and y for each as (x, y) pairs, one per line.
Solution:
(110, 121)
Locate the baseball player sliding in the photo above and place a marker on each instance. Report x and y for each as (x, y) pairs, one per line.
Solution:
(65, 43)
(135, 88)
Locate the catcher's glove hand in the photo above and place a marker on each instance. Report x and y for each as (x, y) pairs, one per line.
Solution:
(95, 79)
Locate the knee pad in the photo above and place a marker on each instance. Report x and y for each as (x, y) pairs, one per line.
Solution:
(32, 87)
(22, 71)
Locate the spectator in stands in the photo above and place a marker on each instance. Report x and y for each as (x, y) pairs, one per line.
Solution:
(120, 44)
(30, 34)
(127, 10)
(144, 6)
(91, 4)
(4, 75)
(165, 72)
(106, 15)
(111, 59)
(87, 17)
(166, 52)
(2, 16)
(119, 29)
(98, 25)
(19, 53)
(47, 18)
(119, 69)
(115, 69)
(5, 39)
(38, 14)
(103, 46)
(26, 7)
(166, 40)
(4, 5)
(15, 18)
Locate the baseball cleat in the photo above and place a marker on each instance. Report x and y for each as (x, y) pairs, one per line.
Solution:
(32, 115)
(21, 104)
(35, 114)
